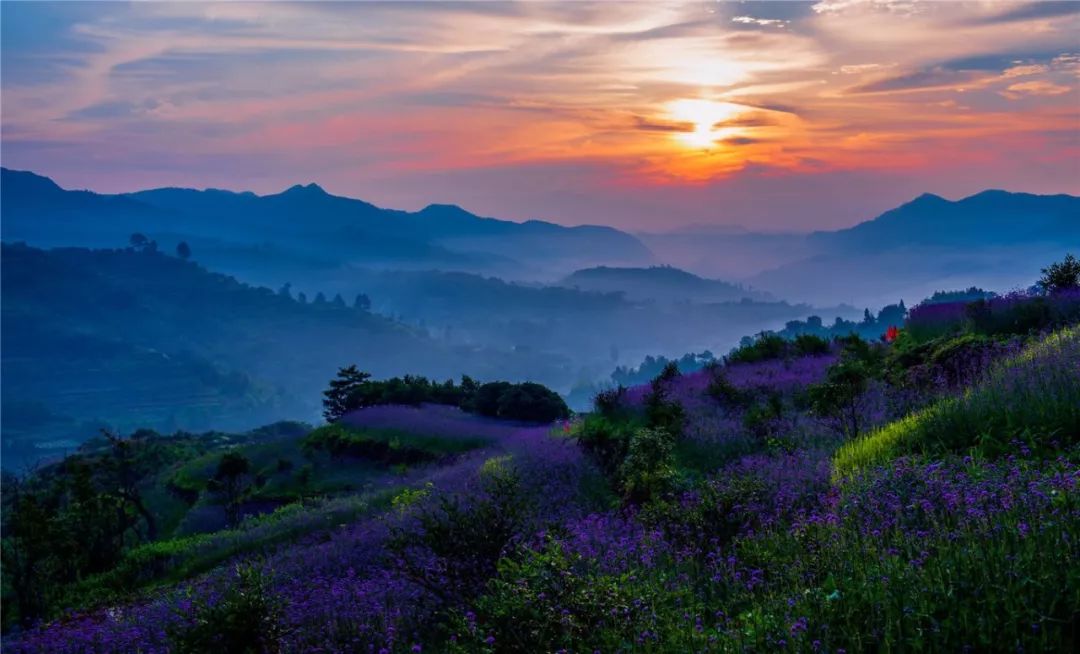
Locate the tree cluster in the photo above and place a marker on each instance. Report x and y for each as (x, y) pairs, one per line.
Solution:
(353, 389)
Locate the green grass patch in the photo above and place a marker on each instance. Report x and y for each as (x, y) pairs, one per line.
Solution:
(167, 562)
(1033, 398)
(389, 446)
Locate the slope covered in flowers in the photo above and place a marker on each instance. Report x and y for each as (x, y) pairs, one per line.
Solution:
(921, 495)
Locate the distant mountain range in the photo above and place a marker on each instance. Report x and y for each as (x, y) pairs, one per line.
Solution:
(994, 238)
(319, 241)
(306, 226)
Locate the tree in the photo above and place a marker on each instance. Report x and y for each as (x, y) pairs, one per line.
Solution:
(124, 470)
(138, 241)
(362, 302)
(320, 298)
(286, 290)
(301, 297)
(231, 483)
(1061, 275)
(839, 396)
(337, 400)
(183, 250)
(27, 542)
(339, 301)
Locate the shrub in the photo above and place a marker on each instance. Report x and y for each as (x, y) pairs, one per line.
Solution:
(610, 401)
(456, 540)
(606, 440)
(648, 470)
(766, 346)
(810, 345)
(530, 402)
(248, 618)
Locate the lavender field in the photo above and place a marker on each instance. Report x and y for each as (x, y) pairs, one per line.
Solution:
(920, 493)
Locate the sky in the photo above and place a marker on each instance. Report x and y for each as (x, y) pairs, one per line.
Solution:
(646, 116)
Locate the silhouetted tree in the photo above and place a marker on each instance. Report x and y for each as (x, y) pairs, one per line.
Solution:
(301, 298)
(339, 301)
(123, 469)
(320, 298)
(231, 483)
(183, 250)
(336, 398)
(1061, 275)
(286, 290)
(138, 241)
(362, 302)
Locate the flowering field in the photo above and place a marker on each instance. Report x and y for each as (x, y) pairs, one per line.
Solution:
(834, 502)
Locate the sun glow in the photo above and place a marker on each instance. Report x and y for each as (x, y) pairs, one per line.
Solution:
(707, 117)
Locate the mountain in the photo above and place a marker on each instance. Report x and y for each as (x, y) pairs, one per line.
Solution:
(990, 218)
(305, 222)
(661, 283)
(995, 237)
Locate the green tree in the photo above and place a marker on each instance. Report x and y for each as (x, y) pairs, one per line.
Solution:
(1061, 275)
(231, 482)
(337, 400)
(845, 383)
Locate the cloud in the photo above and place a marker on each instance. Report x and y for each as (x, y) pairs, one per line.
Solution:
(378, 96)
(1038, 87)
(858, 69)
(1033, 11)
(845, 6)
(763, 22)
(650, 125)
(935, 78)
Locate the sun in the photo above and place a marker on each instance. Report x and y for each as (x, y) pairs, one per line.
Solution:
(705, 115)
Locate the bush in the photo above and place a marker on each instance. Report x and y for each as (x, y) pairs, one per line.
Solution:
(606, 440)
(810, 345)
(531, 402)
(648, 470)
(765, 347)
(248, 618)
(456, 541)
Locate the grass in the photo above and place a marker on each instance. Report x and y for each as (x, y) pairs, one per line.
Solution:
(167, 562)
(1029, 401)
(1009, 583)
(391, 445)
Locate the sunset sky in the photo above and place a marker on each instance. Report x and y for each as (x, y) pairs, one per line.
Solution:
(771, 115)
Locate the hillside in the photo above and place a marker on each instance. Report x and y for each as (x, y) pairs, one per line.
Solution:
(142, 339)
(917, 494)
(659, 283)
